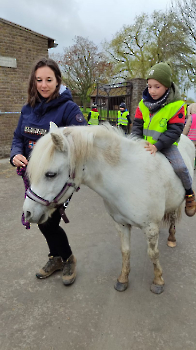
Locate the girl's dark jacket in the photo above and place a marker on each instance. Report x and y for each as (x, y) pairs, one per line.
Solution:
(34, 122)
(174, 126)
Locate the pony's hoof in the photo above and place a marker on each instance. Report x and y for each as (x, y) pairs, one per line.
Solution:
(156, 288)
(121, 287)
(171, 244)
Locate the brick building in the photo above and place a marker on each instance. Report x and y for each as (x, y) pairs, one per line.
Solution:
(19, 49)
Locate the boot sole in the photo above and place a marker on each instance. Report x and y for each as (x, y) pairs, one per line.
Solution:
(190, 215)
(68, 283)
(43, 277)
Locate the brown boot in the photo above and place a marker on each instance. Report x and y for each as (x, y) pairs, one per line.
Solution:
(69, 271)
(54, 263)
(190, 208)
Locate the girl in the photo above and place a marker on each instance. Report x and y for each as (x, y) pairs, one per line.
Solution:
(48, 100)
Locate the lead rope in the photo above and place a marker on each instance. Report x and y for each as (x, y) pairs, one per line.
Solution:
(22, 172)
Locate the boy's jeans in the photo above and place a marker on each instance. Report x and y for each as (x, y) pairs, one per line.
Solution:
(173, 155)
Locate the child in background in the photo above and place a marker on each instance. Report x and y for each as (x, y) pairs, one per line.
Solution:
(93, 116)
(123, 118)
(190, 127)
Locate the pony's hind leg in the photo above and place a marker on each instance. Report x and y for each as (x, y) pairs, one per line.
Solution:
(152, 234)
(171, 241)
(122, 281)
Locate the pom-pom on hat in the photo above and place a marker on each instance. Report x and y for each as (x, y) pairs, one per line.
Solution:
(162, 73)
(122, 105)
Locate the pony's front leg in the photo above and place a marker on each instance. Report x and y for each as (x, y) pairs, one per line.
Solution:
(152, 234)
(122, 281)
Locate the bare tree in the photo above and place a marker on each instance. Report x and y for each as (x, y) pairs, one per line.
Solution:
(127, 49)
(185, 12)
(82, 66)
(152, 39)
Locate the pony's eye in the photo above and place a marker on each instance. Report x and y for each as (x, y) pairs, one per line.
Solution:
(50, 175)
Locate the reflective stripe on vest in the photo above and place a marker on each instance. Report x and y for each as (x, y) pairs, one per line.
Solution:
(94, 118)
(122, 119)
(192, 132)
(155, 125)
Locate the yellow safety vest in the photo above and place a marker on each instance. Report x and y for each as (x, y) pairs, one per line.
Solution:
(122, 119)
(155, 125)
(94, 118)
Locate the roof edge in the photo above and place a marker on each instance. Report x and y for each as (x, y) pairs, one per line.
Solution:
(51, 41)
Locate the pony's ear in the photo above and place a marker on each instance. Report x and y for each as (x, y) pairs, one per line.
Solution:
(53, 127)
(58, 141)
(57, 138)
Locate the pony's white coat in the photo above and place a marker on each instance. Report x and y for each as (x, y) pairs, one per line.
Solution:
(138, 188)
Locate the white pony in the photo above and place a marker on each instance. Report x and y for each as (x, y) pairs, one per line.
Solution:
(138, 189)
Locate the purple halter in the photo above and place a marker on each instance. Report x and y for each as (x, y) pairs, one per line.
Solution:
(54, 203)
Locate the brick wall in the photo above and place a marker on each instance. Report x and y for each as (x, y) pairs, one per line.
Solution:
(139, 85)
(8, 124)
(26, 47)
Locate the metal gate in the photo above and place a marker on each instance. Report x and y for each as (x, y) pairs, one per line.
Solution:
(109, 97)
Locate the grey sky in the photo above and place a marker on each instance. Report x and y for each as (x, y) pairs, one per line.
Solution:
(65, 19)
(62, 20)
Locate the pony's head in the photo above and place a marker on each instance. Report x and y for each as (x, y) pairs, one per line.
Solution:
(50, 171)
(58, 163)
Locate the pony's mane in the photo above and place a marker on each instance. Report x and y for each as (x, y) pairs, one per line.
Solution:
(41, 157)
(81, 141)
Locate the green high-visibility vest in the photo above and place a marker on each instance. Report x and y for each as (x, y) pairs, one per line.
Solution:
(94, 118)
(155, 125)
(122, 119)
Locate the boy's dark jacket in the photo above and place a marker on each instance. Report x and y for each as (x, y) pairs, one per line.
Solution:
(34, 122)
(174, 126)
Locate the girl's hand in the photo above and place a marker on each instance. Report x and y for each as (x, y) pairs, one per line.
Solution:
(151, 148)
(19, 160)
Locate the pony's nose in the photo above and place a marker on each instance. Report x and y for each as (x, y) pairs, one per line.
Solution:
(27, 215)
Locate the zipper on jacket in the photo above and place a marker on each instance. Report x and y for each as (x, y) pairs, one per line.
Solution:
(150, 116)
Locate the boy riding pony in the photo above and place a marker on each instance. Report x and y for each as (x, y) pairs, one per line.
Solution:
(159, 119)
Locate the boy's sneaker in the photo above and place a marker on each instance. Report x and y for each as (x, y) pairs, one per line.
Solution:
(54, 263)
(69, 270)
(190, 208)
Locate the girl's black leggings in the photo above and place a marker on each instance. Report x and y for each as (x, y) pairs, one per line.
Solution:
(56, 237)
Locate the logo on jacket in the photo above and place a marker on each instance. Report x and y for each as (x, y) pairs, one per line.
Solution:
(29, 130)
(31, 144)
(79, 118)
(163, 122)
(151, 72)
(180, 115)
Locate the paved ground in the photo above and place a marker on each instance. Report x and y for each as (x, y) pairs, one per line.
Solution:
(91, 314)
